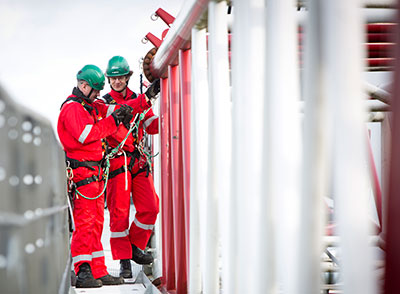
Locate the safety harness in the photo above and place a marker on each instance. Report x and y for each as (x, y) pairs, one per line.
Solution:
(105, 163)
(136, 154)
(74, 164)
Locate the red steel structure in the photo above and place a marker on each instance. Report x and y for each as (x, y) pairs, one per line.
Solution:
(173, 66)
(392, 260)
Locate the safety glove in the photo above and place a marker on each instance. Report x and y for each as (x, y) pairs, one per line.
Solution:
(153, 90)
(127, 120)
(120, 114)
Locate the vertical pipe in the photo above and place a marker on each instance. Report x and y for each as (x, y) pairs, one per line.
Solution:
(177, 184)
(219, 148)
(166, 190)
(375, 181)
(157, 264)
(252, 221)
(343, 39)
(198, 166)
(393, 203)
(185, 101)
(282, 119)
(315, 153)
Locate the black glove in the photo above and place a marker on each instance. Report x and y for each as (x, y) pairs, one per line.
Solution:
(120, 113)
(127, 120)
(153, 89)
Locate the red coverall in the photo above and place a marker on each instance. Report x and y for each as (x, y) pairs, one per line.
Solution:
(123, 184)
(80, 131)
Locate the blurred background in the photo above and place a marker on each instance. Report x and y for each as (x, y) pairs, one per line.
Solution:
(45, 42)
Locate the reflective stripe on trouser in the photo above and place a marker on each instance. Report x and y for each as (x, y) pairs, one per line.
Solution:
(118, 203)
(86, 239)
(146, 203)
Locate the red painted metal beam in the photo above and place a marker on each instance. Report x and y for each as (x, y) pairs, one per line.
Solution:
(185, 102)
(165, 16)
(177, 181)
(392, 257)
(153, 39)
(166, 191)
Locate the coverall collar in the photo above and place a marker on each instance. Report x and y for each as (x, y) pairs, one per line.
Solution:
(78, 93)
(119, 95)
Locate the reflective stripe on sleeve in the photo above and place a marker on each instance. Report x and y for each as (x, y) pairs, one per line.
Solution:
(85, 133)
(142, 226)
(110, 110)
(83, 257)
(119, 234)
(97, 254)
(149, 121)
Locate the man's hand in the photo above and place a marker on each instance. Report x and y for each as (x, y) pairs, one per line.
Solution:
(153, 90)
(120, 114)
(127, 120)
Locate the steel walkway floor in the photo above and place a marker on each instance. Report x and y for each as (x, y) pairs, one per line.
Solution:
(139, 284)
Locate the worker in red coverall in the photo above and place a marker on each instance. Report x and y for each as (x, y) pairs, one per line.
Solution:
(82, 124)
(130, 173)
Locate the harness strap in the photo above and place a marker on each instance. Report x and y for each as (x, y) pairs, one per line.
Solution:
(145, 169)
(87, 181)
(134, 155)
(73, 163)
(116, 172)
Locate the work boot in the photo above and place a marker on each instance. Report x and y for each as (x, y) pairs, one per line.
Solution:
(110, 280)
(85, 278)
(140, 257)
(125, 269)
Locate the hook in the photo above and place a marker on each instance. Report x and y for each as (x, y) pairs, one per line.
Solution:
(154, 16)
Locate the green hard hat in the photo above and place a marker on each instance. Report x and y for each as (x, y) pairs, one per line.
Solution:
(93, 75)
(117, 66)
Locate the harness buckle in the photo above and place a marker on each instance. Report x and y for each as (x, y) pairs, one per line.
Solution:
(69, 171)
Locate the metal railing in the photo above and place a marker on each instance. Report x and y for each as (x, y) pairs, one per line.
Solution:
(34, 244)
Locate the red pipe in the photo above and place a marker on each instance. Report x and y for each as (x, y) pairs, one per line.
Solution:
(381, 28)
(177, 181)
(380, 37)
(166, 191)
(388, 47)
(185, 78)
(392, 257)
(380, 62)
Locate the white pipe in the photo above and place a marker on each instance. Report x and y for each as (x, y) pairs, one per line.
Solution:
(378, 93)
(219, 150)
(343, 36)
(370, 15)
(252, 253)
(283, 133)
(379, 3)
(334, 241)
(211, 279)
(315, 153)
(198, 166)
(157, 264)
